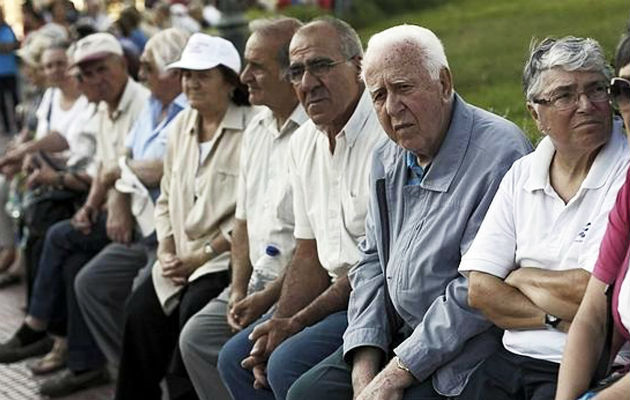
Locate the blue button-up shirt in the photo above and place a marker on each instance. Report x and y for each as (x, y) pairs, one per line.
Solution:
(148, 137)
(430, 226)
(416, 172)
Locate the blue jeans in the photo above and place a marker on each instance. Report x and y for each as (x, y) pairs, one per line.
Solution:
(287, 363)
(65, 252)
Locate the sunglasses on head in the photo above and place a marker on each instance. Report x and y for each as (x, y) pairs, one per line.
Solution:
(620, 92)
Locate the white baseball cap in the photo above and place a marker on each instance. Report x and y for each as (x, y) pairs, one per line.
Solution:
(96, 46)
(205, 52)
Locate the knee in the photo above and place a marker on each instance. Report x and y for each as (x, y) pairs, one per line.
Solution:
(190, 340)
(57, 232)
(305, 388)
(231, 355)
(83, 286)
(280, 371)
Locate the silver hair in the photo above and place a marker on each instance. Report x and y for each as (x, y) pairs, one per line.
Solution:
(279, 28)
(165, 47)
(429, 47)
(569, 53)
(349, 41)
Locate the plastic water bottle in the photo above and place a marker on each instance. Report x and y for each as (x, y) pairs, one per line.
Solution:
(266, 268)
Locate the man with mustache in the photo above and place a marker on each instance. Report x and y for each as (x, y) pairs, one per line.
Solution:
(330, 186)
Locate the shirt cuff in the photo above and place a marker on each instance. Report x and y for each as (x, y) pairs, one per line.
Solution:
(484, 266)
(303, 232)
(362, 337)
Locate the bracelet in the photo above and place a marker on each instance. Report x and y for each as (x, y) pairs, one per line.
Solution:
(587, 395)
(402, 366)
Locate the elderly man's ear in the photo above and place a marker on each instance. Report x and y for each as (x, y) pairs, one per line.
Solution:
(446, 81)
(357, 62)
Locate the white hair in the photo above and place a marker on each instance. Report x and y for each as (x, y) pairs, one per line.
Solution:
(429, 47)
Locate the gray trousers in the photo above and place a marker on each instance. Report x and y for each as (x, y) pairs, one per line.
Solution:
(200, 341)
(103, 286)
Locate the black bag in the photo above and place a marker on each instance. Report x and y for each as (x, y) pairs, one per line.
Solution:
(45, 206)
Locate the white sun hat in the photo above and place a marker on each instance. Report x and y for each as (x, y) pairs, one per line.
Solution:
(205, 52)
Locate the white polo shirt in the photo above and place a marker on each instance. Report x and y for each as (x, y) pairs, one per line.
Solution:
(264, 197)
(529, 225)
(330, 190)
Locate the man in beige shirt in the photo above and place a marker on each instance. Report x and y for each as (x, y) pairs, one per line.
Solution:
(327, 159)
(262, 239)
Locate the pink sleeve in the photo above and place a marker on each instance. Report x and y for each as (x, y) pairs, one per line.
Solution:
(616, 240)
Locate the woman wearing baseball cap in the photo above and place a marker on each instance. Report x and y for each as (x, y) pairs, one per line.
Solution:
(193, 217)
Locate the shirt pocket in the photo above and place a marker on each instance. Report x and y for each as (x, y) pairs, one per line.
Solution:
(354, 213)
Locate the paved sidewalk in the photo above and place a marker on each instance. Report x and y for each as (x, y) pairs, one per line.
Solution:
(16, 381)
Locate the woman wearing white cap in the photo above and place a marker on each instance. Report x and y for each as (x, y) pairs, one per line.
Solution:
(193, 217)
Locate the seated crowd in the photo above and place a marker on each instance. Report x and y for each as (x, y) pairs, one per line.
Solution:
(318, 222)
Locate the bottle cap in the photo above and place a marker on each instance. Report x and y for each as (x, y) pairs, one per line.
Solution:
(272, 251)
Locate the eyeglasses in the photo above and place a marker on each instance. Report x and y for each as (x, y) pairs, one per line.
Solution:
(318, 68)
(563, 101)
(620, 92)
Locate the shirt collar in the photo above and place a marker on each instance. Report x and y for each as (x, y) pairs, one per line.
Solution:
(596, 177)
(359, 118)
(450, 156)
(235, 118)
(128, 94)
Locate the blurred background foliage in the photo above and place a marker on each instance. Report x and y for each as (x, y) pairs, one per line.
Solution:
(487, 41)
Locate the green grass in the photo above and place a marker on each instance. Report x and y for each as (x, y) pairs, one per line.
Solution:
(486, 42)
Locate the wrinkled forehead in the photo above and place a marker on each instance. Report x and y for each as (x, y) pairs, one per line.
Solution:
(398, 63)
(558, 78)
(316, 42)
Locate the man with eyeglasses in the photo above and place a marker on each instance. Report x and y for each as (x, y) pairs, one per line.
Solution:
(329, 182)
(531, 260)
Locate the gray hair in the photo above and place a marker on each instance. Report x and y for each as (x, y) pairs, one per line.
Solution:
(569, 53)
(282, 28)
(427, 44)
(165, 47)
(349, 41)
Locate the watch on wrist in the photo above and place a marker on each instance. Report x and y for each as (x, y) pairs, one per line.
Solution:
(402, 366)
(551, 321)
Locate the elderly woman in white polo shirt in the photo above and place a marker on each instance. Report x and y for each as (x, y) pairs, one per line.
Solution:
(532, 257)
(193, 217)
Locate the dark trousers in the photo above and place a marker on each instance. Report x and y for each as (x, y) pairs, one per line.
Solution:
(150, 338)
(508, 376)
(331, 379)
(65, 252)
(8, 101)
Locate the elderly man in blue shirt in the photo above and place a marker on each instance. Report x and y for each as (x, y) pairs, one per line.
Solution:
(411, 333)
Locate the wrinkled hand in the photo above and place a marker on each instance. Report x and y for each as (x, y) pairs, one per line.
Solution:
(179, 268)
(276, 330)
(389, 384)
(120, 225)
(257, 363)
(247, 310)
(84, 219)
(235, 297)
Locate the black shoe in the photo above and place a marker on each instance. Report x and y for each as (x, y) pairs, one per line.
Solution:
(67, 382)
(13, 351)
